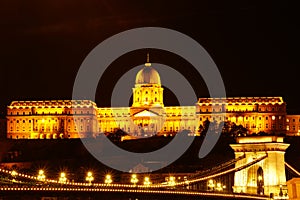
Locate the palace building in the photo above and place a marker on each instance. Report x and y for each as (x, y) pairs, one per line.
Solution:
(147, 116)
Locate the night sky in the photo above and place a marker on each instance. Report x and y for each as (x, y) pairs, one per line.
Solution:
(43, 43)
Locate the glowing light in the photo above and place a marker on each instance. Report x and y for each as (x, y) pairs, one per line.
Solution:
(220, 187)
(89, 177)
(134, 179)
(147, 181)
(172, 181)
(62, 178)
(211, 184)
(108, 179)
(41, 176)
(260, 178)
(14, 173)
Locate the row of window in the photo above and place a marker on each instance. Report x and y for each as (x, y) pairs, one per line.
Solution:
(50, 113)
(240, 110)
(48, 129)
(29, 120)
(146, 92)
(293, 120)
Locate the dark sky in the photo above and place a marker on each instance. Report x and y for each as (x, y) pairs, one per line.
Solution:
(43, 43)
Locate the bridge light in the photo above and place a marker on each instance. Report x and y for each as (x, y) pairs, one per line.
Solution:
(134, 179)
(171, 181)
(89, 177)
(211, 185)
(62, 178)
(41, 176)
(14, 173)
(108, 179)
(147, 181)
(219, 187)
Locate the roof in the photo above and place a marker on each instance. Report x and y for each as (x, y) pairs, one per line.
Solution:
(52, 103)
(237, 100)
(147, 75)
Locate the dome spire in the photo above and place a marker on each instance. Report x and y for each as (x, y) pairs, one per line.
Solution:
(148, 64)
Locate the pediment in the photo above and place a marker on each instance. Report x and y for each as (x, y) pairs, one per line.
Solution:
(146, 113)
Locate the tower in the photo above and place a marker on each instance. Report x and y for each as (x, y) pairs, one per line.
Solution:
(147, 108)
(266, 176)
(147, 91)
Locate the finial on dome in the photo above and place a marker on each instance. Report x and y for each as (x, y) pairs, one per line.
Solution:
(148, 64)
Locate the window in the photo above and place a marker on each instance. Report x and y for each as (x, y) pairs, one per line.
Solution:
(17, 121)
(273, 117)
(29, 121)
(267, 118)
(146, 92)
(273, 126)
(155, 99)
(146, 99)
(294, 119)
(267, 125)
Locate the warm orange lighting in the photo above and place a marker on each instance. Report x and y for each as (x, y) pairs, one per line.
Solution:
(147, 181)
(89, 177)
(62, 178)
(134, 179)
(108, 179)
(41, 176)
(14, 173)
(172, 181)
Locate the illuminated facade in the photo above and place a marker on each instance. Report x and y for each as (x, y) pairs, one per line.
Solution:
(293, 125)
(266, 176)
(51, 119)
(147, 115)
(257, 114)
